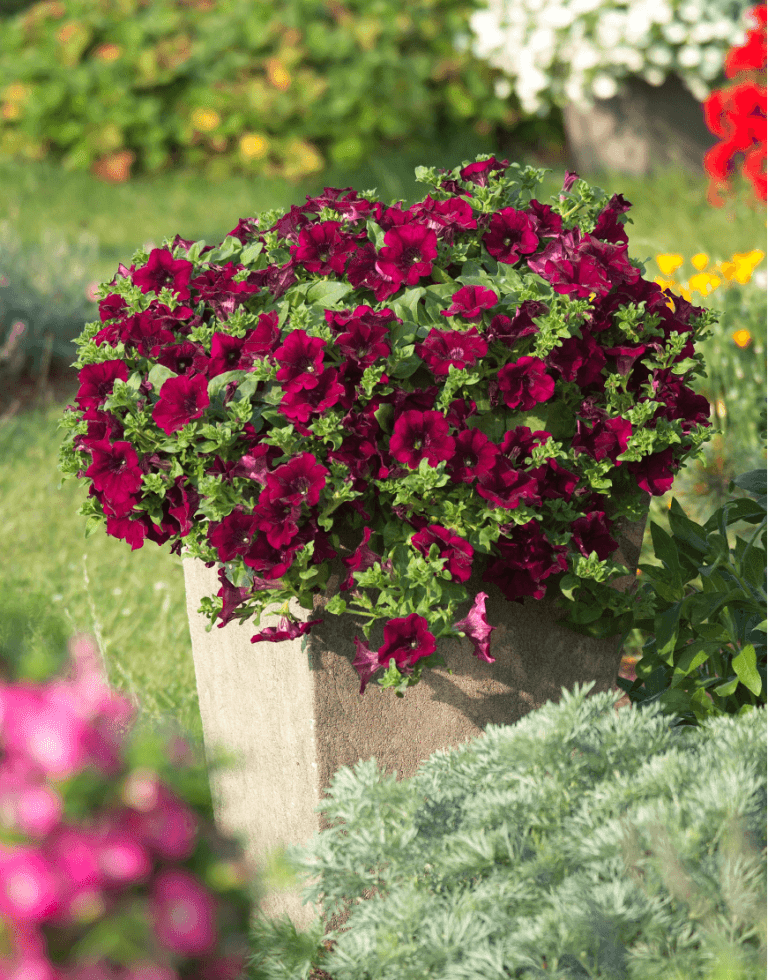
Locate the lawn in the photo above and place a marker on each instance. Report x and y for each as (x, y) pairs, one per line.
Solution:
(134, 603)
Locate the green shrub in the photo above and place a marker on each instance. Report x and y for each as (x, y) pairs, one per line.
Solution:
(704, 612)
(43, 301)
(580, 842)
(243, 87)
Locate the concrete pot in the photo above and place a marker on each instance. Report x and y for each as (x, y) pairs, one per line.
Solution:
(293, 717)
(640, 130)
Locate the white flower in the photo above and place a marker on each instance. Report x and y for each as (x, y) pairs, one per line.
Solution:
(658, 55)
(586, 57)
(503, 88)
(689, 12)
(604, 86)
(660, 12)
(542, 39)
(654, 76)
(630, 57)
(675, 33)
(701, 33)
(698, 89)
(689, 56)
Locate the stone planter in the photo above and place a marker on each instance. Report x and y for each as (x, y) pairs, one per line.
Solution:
(293, 717)
(641, 130)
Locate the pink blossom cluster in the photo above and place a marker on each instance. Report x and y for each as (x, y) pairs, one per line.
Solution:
(61, 877)
(279, 517)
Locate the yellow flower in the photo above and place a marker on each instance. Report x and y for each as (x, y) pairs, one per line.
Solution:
(10, 111)
(16, 92)
(703, 283)
(205, 120)
(253, 147)
(746, 263)
(728, 270)
(742, 338)
(700, 261)
(277, 75)
(668, 263)
(720, 409)
(666, 283)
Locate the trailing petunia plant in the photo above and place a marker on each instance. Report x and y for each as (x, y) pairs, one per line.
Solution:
(481, 376)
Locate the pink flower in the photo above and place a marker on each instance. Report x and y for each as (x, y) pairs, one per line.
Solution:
(183, 913)
(28, 887)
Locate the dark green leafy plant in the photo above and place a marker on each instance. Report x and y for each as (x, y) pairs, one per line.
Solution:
(704, 609)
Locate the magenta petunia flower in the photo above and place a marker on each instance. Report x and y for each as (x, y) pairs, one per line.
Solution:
(181, 401)
(458, 551)
(363, 559)
(470, 301)
(301, 360)
(511, 235)
(607, 437)
(525, 383)
(323, 248)
(287, 630)
(445, 218)
(509, 331)
(527, 560)
(299, 481)
(362, 333)
(299, 403)
(546, 222)
(97, 382)
(406, 639)
(475, 626)
(473, 457)
(185, 358)
(505, 486)
(593, 533)
(441, 348)
(408, 253)
(233, 534)
(578, 359)
(363, 272)
(421, 435)
(655, 473)
(227, 355)
(163, 270)
(183, 913)
(479, 172)
(115, 470)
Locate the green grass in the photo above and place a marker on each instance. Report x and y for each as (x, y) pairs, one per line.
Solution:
(134, 603)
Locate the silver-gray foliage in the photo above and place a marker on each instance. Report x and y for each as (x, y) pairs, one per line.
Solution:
(580, 842)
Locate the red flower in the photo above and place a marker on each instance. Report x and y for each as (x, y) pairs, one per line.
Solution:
(408, 253)
(738, 115)
(115, 470)
(470, 302)
(163, 270)
(525, 383)
(182, 399)
(97, 382)
(510, 235)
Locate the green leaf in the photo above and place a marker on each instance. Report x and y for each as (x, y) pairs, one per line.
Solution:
(665, 550)
(745, 665)
(692, 658)
(250, 252)
(665, 628)
(726, 689)
(689, 531)
(327, 293)
(753, 482)
(676, 701)
(158, 375)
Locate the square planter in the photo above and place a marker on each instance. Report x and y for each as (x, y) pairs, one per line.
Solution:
(292, 717)
(642, 129)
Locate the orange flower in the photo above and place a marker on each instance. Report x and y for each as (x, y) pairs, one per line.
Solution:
(67, 32)
(108, 52)
(115, 169)
(277, 74)
(742, 338)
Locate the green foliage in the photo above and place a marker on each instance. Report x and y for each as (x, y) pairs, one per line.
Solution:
(252, 88)
(32, 636)
(704, 611)
(580, 842)
(736, 375)
(43, 301)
